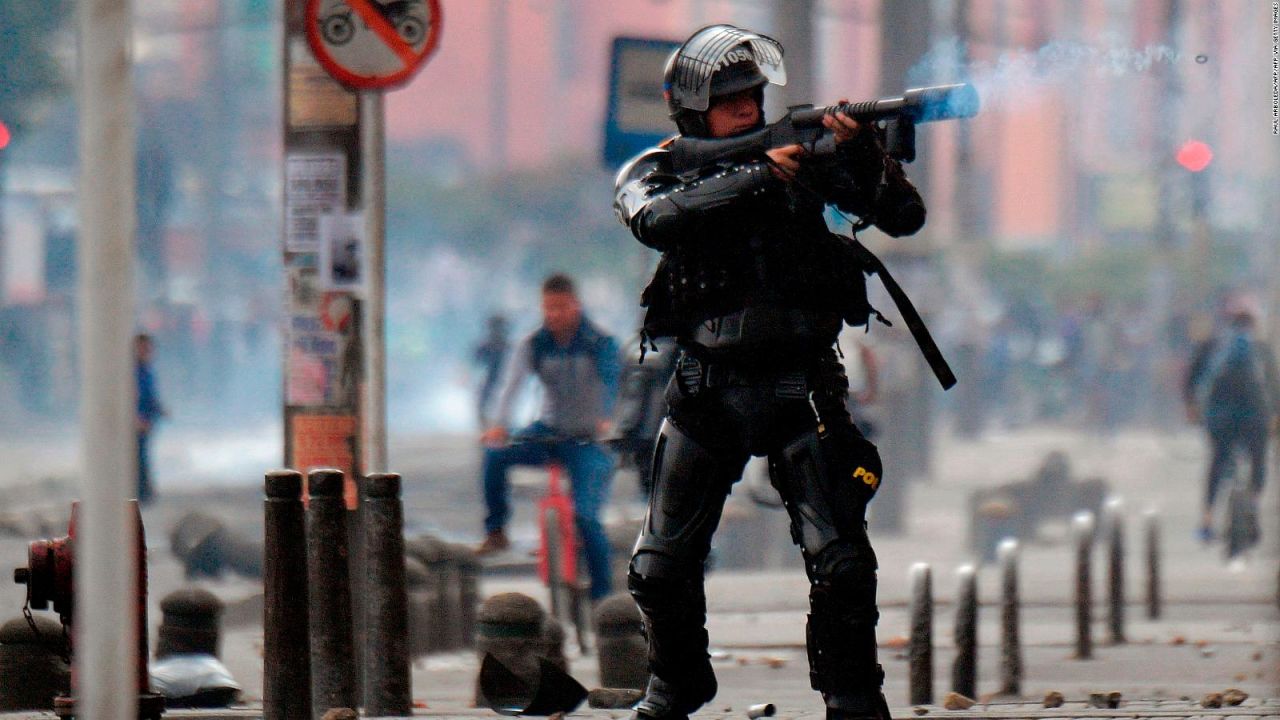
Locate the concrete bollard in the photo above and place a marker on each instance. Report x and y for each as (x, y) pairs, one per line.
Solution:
(469, 569)
(1151, 521)
(1115, 569)
(1010, 613)
(418, 603)
(286, 671)
(386, 653)
(622, 651)
(446, 621)
(553, 636)
(333, 664)
(964, 673)
(512, 628)
(189, 624)
(33, 670)
(1082, 528)
(920, 649)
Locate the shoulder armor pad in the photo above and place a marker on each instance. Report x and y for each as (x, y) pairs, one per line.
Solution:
(630, 189)
(654, 159)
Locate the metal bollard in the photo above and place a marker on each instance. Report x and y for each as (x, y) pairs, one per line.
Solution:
(333, 665)
(1115, 569)
(189, 624)
(386, 655)
(1010, 612)
(286, 672)
(964, 673)
(1082, 527)
(1152, 523)
(621, 649)
(920, 649)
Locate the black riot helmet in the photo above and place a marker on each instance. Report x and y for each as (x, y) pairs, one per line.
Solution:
(718, 60)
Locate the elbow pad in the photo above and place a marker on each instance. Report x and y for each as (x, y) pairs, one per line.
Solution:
(688, 206)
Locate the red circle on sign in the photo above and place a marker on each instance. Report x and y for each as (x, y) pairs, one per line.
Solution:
(365, 11)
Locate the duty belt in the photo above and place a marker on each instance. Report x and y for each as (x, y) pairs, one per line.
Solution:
(693, 375)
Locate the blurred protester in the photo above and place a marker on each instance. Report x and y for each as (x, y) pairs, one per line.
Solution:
(149, 412)
(490, 354)
(577, 365)
(1232, 388)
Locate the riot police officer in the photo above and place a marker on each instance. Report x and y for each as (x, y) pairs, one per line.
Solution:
(754, 289)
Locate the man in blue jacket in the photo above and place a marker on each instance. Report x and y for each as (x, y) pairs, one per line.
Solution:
(578, 367)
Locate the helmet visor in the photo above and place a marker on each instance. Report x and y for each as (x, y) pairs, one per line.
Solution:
(713, 49)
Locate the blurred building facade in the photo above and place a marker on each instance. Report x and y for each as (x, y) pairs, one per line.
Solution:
(1086, 105)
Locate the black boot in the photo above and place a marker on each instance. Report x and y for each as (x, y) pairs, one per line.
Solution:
(680, 676)
(869, 705)
(842, 651)
(665, 701)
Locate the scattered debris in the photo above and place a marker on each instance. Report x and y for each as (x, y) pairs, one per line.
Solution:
(613, 698)
(897, 642)
(918, 710)
(1211, 700)
(775, 662)
(1054, 699)
(1234, 696)
(956, 701)
(1109, 700)
(339, 713)
(1178, 640)
(1207, 652)
(1257, 655)
(761, 710)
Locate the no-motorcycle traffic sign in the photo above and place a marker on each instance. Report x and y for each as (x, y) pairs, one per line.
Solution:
(373, 44)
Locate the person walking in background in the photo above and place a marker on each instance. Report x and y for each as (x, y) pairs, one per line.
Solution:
(490, 354)
(149, 411)
(577, 365)
(1232, 388)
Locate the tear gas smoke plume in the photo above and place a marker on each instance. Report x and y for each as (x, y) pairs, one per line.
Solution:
(1015, 72)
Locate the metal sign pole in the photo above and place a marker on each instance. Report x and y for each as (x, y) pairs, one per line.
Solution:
(373, 192)
(106, 633)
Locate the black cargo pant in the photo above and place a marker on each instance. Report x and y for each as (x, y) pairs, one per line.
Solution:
(825, 472)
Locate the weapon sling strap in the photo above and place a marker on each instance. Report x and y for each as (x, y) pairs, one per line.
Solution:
(909, 314)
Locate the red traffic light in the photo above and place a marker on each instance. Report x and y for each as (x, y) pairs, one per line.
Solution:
(4, 136)
(1194, 155)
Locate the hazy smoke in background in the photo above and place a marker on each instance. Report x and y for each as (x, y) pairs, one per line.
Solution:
(1002, 82)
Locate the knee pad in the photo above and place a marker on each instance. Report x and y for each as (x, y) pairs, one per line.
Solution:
(826, 481)
(690, 484)
(847, 562)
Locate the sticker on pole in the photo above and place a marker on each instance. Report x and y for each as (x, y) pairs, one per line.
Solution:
(373, 44)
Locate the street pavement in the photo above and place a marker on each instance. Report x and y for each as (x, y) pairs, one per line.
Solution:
(1220, 627)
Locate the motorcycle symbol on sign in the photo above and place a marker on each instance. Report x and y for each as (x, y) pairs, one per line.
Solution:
(410, 18)
(370, 44)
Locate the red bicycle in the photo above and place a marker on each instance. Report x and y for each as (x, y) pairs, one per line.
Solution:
(558, 558)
